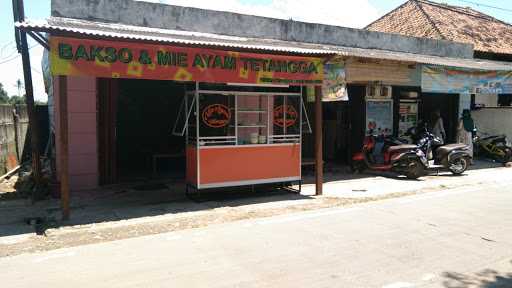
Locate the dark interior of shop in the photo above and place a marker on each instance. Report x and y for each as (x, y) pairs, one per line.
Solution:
(146, 110)
(448, 105)
(146, 113)
(336, 122)
(356, 94)
(344, 122)
(504, 100)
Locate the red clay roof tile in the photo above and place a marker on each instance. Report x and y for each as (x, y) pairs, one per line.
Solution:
(421, 18)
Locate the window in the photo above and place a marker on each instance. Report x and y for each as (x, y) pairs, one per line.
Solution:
(216, 119)
(286, 117)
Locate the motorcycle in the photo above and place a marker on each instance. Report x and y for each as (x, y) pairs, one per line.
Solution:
(384, 153)
(493, 147)
(451, 157)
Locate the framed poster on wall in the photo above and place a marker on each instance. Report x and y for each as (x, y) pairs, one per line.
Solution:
(379, 117)
(408, 116)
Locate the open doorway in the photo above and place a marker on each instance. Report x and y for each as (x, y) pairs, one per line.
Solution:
(448, 105)
(144, 143)
(336, 132)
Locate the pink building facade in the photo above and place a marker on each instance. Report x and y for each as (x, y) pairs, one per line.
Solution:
(83, 136)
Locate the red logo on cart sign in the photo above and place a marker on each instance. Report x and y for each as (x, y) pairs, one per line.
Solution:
(285, 117)
(216, 116)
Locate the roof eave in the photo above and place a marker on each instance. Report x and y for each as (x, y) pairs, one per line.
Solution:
(266, 45)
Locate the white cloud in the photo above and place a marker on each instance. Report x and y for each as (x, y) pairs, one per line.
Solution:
(13, 70)
(348, 13)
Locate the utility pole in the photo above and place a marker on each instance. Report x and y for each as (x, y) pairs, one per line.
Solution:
(21, 43)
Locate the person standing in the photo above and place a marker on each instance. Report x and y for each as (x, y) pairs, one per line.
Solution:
(438, 126)
(466, 129)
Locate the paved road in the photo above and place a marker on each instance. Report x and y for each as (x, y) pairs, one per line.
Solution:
(452, 238)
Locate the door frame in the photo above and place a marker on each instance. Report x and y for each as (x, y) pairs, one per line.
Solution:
(107, 94)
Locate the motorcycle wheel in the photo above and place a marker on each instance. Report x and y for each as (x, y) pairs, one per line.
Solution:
(414, 169)
(507, 157)
(459, 165)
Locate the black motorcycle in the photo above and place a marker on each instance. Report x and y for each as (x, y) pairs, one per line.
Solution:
(451, 157)
(495, 147)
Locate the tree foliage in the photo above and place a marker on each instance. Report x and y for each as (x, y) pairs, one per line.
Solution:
(14, 99)
(4, 98)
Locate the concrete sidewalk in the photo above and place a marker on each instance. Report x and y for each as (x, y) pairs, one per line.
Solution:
(374, 184)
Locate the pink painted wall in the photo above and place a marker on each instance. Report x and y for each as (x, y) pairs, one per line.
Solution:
(83, 142)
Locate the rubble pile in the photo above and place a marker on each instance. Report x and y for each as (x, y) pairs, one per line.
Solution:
(22, 185)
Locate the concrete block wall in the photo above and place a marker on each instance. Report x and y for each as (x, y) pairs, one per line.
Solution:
(494, 121)
(163, 16)
(82, 128)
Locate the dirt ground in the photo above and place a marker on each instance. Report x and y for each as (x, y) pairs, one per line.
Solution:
(7, 189)
(89, 234)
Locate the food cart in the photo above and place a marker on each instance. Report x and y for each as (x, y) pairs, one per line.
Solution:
(237, 137)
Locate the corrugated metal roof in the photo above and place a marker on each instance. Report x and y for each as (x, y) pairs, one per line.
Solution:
(58, 25)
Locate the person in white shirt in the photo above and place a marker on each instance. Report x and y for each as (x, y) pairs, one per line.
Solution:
(438, 126)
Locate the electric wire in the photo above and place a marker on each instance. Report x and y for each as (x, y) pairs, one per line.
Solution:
(15, 57)
(9, 60)
(4, 51)
(485, 5)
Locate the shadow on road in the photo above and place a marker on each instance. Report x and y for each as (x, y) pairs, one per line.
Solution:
(131, 201)
(487, 278)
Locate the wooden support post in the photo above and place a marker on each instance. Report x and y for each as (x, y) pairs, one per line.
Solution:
(319, 164)
(64, 147)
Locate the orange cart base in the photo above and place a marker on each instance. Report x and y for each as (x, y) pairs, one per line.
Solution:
(228, 166)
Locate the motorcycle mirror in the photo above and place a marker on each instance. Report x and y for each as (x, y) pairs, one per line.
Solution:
(411, 131)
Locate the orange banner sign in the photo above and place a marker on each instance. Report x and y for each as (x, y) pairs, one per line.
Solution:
(113, 59)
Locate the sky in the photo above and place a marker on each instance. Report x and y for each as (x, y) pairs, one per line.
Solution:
(348, 13)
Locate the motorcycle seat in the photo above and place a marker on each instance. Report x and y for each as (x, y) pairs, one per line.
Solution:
(450, 147)
(397, 148)
(494, 137)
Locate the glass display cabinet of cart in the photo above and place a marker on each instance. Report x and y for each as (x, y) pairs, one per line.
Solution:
(238, 138)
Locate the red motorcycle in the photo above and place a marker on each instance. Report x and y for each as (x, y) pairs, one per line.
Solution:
(384, 153)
